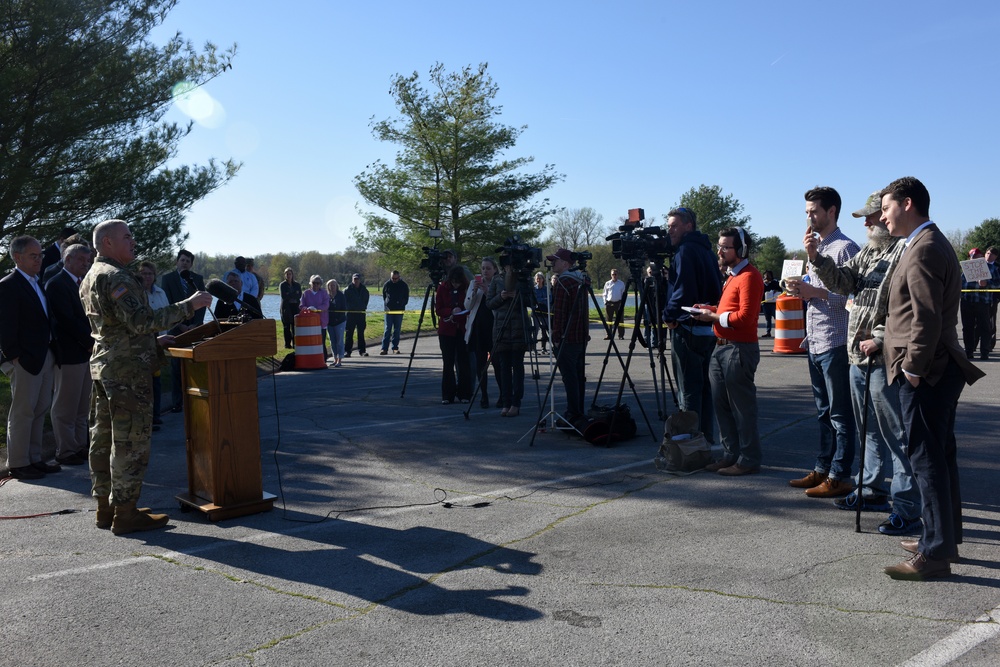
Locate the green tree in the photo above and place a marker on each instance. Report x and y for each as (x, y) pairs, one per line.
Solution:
(450, 173)
(769, 254)
(714, 211)
(82, 135)
(984, 235)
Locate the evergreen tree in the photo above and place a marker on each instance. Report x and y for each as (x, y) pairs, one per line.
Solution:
(450, 173)
(82, 137)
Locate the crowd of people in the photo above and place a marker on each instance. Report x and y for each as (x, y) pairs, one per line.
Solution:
(80, 333)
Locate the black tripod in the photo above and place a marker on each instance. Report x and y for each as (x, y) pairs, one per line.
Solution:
(624, 362)
(429, 295)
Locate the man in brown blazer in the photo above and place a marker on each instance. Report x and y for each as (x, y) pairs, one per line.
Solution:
(923, 355)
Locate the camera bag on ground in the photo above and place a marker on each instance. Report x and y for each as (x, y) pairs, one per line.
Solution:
(604, 418)
(684, 448)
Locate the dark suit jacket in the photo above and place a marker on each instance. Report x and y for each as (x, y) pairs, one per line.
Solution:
(921, 331)
(73, 343)
(50, 256)
(177, 291)
(224, 310)
(25, 331)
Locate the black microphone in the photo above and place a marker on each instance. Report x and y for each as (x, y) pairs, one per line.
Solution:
(227, 294)
(221, 291)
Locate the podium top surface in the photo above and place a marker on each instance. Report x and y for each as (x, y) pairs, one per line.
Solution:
(219, 341)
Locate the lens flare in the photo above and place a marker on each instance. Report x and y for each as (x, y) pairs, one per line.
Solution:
(195, 102)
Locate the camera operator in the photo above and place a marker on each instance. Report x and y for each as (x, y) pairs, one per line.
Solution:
(570, 327)
(479, 329)
(449, 259)
(509, 299)
(693, 277)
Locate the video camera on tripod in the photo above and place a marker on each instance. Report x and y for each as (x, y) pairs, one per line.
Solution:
(521, 258)
(637, 244)
(433, 263)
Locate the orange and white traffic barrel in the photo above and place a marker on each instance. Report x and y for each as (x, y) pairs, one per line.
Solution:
(789, 325)
(308, 342)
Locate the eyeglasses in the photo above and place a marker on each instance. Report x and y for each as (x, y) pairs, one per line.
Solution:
(723, 248)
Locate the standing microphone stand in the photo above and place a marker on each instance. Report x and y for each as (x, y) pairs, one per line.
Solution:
(429, 295)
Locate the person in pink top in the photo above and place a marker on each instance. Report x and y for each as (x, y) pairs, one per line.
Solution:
(317, 299)
(736, 355)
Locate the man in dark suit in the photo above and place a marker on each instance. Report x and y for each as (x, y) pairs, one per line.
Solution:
(178, 289)
(26, 358)
(246, 303)
(73, 344)
(924, 357)
(53, 253)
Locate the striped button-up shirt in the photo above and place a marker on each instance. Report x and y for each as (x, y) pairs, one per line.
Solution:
(826, 319)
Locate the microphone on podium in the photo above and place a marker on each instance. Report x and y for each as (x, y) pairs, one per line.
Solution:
(227, 294)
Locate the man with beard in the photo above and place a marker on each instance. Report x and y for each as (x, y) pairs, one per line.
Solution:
(867, 276)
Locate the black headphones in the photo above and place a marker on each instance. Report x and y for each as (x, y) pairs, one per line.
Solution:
(743, 251)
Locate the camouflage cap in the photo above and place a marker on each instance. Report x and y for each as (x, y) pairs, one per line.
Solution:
(873, 205)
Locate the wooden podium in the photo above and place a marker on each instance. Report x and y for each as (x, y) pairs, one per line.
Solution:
(219, 376)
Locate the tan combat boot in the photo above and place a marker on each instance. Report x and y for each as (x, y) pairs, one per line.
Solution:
(105, 513)
(128, 519)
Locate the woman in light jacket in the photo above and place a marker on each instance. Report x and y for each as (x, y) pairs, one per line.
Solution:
(479, 327)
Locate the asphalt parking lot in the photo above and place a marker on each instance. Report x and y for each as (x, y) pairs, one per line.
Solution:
(405, 533)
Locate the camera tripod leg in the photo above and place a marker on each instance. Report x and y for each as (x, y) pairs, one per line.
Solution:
(428, 296)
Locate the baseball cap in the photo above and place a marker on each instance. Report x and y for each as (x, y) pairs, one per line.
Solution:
(872, 205)
(356, 275)
(561, 253)
(974, 252)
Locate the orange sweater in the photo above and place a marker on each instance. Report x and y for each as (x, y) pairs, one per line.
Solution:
(741, 297)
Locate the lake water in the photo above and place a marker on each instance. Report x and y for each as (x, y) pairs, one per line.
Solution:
(271, 304)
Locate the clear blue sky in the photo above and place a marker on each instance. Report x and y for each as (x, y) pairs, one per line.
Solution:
(635, 102)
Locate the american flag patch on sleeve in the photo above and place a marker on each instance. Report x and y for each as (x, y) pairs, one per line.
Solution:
(119, 292)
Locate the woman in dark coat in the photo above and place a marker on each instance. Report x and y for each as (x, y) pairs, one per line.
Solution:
(291, 292)
(509, 300)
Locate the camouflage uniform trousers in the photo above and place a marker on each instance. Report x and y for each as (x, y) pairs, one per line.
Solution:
(121, 417)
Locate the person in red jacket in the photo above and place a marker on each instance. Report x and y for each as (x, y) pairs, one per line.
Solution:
(736, 355)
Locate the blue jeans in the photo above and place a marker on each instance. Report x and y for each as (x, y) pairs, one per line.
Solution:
(393, 325)
(884, 432)
(831, 387)
(732, 371)
(691, 356)
(337, 339)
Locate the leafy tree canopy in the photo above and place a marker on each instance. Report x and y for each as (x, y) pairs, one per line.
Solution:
(714, 210)
(984, 235)
(576, 228)
(450, 173)
(769, 254)
(82, 137)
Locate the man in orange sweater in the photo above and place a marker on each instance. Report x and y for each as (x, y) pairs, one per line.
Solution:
(736, 355)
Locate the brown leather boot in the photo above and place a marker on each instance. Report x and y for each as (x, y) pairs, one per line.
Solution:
(128, 519)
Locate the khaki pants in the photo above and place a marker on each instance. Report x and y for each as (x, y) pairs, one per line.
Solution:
(30, 398)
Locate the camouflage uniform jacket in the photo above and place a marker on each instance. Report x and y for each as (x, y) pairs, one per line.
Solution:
(123, 324)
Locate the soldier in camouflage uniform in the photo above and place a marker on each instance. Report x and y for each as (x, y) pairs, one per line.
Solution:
(124, 329)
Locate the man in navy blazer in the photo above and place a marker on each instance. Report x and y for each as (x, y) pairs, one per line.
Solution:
(177, 290)
(26, 358)
(923, 355)
(73, 344)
